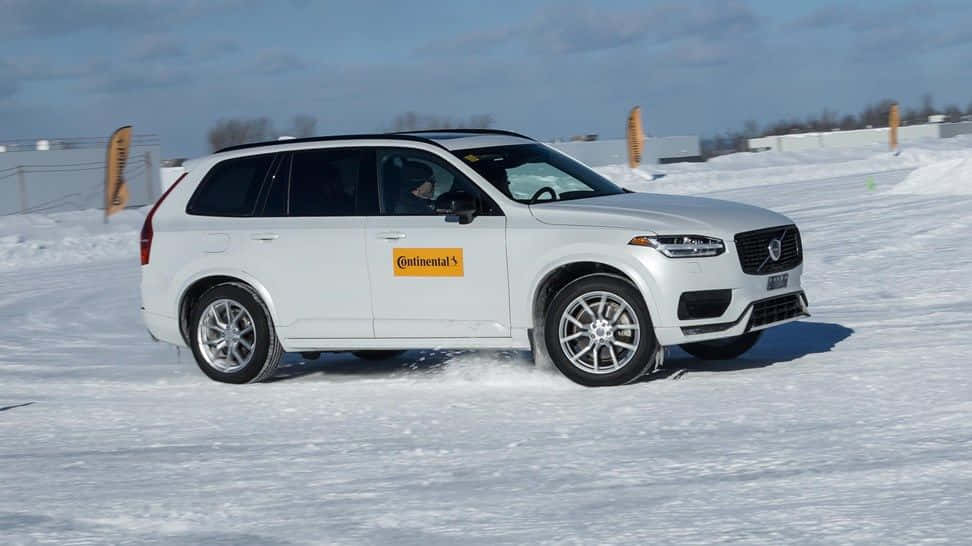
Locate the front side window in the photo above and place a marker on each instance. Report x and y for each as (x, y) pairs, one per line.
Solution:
(231, 187)
(533, 173)
(324, 182)
(410, 181)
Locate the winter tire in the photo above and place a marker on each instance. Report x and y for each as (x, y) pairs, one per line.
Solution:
(598, 332)
(722, 349)
(232, 335)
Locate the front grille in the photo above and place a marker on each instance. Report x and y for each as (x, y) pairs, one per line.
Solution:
(776, 309)
(753, 250)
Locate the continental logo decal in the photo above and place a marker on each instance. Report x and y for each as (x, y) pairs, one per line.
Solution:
(427, 262)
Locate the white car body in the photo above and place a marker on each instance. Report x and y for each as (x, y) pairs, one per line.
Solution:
(328, 281)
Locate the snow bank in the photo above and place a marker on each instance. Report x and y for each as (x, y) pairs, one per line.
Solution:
(743, 170)
(952, 177)
(39, 240)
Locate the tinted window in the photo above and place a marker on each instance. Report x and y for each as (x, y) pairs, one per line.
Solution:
(324, 182)
(231, 187)
(409, 181)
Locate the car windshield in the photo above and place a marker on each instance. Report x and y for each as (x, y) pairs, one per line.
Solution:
(534, 173)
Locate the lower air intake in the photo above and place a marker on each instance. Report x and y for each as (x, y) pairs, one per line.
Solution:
(776, 309)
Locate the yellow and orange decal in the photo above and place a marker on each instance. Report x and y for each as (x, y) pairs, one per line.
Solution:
(427, 262)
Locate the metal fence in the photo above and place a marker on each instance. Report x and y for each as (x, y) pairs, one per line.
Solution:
(72, 177)
(598, 153)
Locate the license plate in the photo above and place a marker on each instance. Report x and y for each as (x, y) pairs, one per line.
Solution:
(777, 281)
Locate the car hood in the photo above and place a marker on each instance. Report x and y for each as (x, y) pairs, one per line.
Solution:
(659, 214)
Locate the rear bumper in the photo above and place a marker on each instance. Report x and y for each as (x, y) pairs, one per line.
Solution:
(163, 328)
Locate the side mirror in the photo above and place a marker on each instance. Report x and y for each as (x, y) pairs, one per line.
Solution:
(458, 204)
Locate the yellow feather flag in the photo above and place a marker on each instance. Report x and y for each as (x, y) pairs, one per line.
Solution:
(636, 137)
(116, 191)
(894, 120)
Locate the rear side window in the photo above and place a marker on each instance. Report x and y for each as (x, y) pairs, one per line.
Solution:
(231, 187)
(324, 182)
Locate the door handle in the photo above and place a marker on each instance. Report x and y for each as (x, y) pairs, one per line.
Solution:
(264, 236)
(391, 235)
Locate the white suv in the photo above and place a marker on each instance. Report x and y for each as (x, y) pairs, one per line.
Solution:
(377, 244)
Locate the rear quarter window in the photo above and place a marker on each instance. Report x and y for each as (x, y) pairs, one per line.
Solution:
(231, 187)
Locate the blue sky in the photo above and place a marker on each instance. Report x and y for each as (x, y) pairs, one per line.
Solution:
(550, 68)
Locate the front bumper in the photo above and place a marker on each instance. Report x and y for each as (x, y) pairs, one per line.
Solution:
(758, 315)
(666, 279)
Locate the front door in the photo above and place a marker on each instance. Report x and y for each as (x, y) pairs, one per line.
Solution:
(431, 276)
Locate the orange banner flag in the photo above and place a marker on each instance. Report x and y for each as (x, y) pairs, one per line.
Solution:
(894, 120)
(636, 137)
(116, 191)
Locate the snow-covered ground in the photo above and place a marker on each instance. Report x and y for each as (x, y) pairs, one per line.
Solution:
(854, 426)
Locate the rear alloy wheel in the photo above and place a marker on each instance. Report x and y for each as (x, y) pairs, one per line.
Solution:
(722, 349)
(233, 339)
(598, 332)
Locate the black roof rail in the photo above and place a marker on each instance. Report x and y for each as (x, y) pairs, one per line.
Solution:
(414, 136)
(386, 136)
(469, 131)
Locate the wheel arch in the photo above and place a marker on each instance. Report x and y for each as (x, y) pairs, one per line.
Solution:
(195, 287)
(557, 276)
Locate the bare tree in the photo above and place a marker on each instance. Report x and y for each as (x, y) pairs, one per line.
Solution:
(751, 128)
(232, 132)
(480, 121)
(927, 106)
(910, 116)
(876, 115)
(409, 121)
(412, 121)
(953, 114)
(848, 122)
(828, 120)
(304, 126)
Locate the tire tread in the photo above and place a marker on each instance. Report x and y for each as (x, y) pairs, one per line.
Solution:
(275, 349)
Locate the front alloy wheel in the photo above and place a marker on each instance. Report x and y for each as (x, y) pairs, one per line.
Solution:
(598, 331)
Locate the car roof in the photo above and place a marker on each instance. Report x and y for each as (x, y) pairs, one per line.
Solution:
(451, 139)
(466, 139)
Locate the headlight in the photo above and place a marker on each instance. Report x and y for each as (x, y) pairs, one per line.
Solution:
(681, 246)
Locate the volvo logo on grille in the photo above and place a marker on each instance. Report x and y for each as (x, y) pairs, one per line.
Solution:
(775, 249)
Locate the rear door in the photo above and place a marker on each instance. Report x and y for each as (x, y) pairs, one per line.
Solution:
(307, 247)
(432, 277)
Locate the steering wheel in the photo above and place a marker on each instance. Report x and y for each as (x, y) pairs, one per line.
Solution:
(541, 191)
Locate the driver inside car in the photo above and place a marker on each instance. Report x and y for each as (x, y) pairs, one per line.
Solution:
(418, 189)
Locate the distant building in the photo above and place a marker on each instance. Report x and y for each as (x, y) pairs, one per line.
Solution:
(597, 153)
(856, 137)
